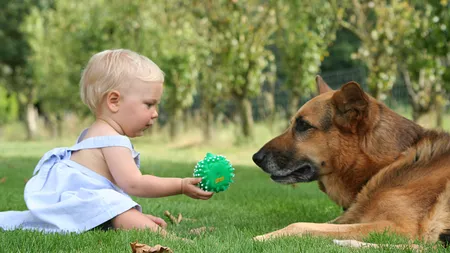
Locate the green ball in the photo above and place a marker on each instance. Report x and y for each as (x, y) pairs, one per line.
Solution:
(216, 173)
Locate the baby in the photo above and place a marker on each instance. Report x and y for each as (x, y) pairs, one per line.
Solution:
(88, 185)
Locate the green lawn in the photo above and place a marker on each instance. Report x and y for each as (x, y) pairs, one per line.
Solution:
(253, 205)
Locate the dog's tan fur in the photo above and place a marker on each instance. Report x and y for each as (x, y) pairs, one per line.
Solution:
(386, 171)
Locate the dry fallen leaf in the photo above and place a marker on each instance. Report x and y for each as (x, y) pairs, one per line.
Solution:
(171, 217)
(177, 220)
(200, 230)
(2, 180)
(144, 248)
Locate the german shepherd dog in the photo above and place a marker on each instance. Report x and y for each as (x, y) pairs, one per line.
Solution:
(385, 171)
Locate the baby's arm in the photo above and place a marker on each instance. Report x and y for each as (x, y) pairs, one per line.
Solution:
(130, 179)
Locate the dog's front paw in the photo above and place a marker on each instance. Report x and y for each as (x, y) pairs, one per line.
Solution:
(266, 237)
(259, 238)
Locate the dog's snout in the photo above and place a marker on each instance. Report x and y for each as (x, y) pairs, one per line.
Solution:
(259, 158)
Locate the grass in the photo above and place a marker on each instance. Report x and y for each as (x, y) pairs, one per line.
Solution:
(252, 206)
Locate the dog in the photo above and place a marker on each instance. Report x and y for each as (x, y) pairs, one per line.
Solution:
(385, 171)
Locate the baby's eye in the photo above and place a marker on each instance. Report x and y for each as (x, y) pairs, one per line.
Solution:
(150, 105)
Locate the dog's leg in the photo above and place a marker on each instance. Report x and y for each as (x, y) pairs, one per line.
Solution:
(358, 244)
(337, 231)
(355, 244)
(335, 220)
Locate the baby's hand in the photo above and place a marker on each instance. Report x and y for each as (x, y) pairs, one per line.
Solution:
(189, 188)
(160, 222)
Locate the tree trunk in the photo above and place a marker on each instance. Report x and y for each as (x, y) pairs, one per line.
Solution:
(246, 117)
(31, 121)
(293, 105)
(174, 123)
(415, 115)
(439, 104)
(269, 99)
(153, 130)
(49, 125)
(207, 116)
(59, 125)
(439, 118)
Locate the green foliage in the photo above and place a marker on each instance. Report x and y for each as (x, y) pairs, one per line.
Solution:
(240, 33)
(14, 49)
(437, 19)
(178, 54)
(340, 51)
(15, 72)
(437, 13)
(381, 26)
(9, 107)
(302, 41)
(64, 37)
(235, 53)
(219, 50)
(424, 72)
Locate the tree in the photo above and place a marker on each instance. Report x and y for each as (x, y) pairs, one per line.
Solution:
(381, 26)
(178, 52)
(8, 106)
(419, 67)
(14, 68)
(424, 56)
(340, 52)
(304, 32)
(242, 32)
(65, 36)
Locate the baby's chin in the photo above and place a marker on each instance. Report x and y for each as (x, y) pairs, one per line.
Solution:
(134, 135)
(141, 133)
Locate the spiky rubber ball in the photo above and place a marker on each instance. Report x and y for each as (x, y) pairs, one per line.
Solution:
(216, 172)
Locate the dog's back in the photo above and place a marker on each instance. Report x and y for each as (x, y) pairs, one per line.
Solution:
(413, 191)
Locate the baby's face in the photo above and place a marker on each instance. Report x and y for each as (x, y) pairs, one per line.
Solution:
(138, 107)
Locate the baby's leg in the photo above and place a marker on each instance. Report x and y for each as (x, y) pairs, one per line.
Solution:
(133, 219)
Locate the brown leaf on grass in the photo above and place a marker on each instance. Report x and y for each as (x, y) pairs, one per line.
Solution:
(293, 185)
(25, 180)
(171, 217)
(200, 230)
(2, 180)
(144, 248)
(177, 220)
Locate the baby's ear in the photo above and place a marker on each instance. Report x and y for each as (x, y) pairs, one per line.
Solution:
(112, 100)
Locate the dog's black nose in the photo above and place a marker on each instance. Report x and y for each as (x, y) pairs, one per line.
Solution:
(259, 157)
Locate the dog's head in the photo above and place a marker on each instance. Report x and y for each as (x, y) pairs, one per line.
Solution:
(340, 138)
(345, 132)
(308, 148)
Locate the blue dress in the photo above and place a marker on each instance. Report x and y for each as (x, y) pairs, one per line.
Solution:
(64, 196)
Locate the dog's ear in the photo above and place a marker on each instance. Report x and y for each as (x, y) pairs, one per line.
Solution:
(351, 104)
(322, 86)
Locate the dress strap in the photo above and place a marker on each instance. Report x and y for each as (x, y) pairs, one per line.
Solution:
(103, 142)
(106, 141)
(57, 154)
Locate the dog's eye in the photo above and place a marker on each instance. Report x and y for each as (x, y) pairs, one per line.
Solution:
(301, 125)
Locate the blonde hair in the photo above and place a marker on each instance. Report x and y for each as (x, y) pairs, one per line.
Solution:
(109, 70)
